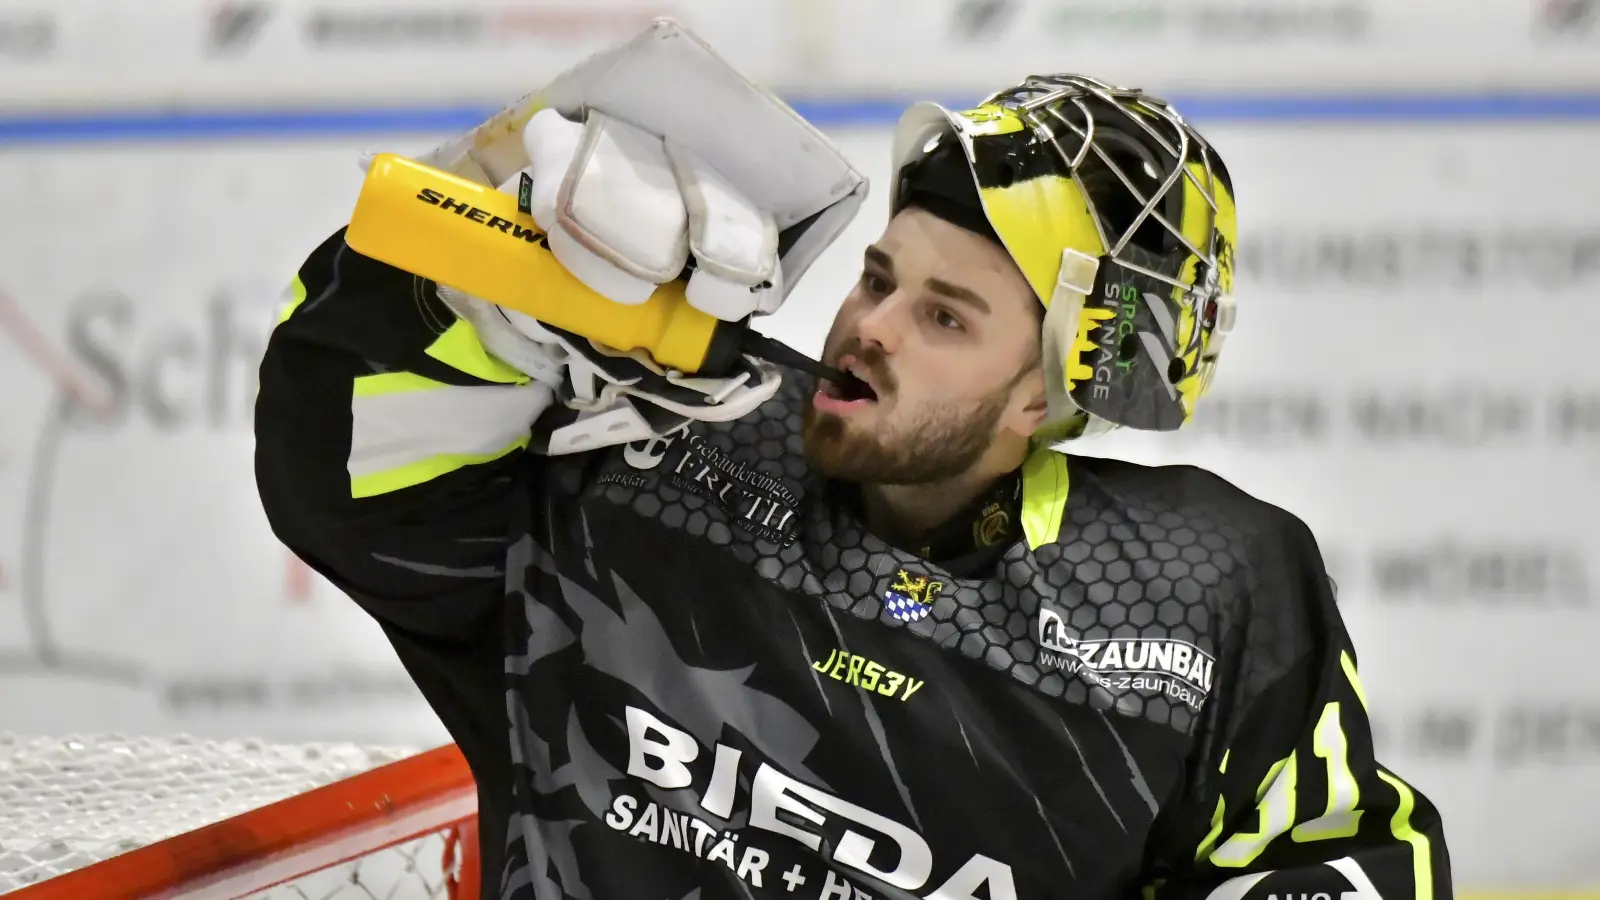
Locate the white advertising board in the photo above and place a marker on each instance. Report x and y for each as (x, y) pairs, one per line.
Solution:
(1250, 46)
(1409, 374)
(102, 54)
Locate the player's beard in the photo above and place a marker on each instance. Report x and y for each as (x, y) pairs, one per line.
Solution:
(942, 442)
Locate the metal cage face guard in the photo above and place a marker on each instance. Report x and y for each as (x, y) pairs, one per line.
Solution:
(1134, 264)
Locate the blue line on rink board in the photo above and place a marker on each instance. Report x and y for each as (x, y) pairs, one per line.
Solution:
(201, 124)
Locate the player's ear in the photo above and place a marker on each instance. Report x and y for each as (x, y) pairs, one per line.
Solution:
(1026, 412)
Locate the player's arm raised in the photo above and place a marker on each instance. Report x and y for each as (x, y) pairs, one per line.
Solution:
(396, 416)
(387, 441)
(1288, 797)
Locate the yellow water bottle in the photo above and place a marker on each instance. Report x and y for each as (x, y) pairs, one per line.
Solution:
(478, 240)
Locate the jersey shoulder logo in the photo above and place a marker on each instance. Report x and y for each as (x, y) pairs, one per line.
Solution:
(910, 597)
(1167, 666)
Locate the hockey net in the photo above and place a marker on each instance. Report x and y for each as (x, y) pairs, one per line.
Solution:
(113, 818)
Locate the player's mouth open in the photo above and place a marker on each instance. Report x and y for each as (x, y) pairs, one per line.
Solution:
(855, 394)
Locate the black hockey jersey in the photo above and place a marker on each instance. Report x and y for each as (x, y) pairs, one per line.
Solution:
(679, 671)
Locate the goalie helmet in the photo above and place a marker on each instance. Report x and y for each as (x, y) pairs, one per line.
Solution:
(1121, 217)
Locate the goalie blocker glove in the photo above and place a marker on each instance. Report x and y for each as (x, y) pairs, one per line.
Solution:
(647, 160)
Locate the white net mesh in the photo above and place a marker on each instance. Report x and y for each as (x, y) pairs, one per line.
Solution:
(68, 802)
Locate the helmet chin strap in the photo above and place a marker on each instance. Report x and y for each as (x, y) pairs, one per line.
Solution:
(1064, 340)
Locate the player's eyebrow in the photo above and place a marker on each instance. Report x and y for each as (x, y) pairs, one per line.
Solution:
(957, 292)
(877, 257)
(880, 259)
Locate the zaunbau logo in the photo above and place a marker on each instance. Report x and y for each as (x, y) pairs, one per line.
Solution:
(1173, 668)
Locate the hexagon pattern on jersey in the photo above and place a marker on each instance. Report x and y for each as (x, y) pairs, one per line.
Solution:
(1124, 567)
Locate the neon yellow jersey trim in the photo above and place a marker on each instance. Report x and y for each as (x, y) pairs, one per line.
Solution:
(460, 349)
(1421, 856)
(393, 383)
(1044, 496)
(1209, 843)
(1347, 663)
(297, 296)
(424, 470)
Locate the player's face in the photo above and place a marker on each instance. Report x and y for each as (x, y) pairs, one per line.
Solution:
(942, 327)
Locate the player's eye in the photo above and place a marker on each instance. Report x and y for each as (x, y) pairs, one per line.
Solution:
(946, 319)
(876, 284)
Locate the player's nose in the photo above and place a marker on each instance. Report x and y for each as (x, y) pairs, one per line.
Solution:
(883, 326)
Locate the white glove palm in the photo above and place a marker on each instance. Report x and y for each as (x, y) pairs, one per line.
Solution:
(626, 211)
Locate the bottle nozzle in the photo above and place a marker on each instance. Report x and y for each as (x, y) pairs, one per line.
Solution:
(760, 346)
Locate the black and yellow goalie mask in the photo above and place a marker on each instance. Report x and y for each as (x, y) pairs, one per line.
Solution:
(1121, 218)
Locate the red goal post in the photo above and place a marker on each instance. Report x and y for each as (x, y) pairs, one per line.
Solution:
(115, 819)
